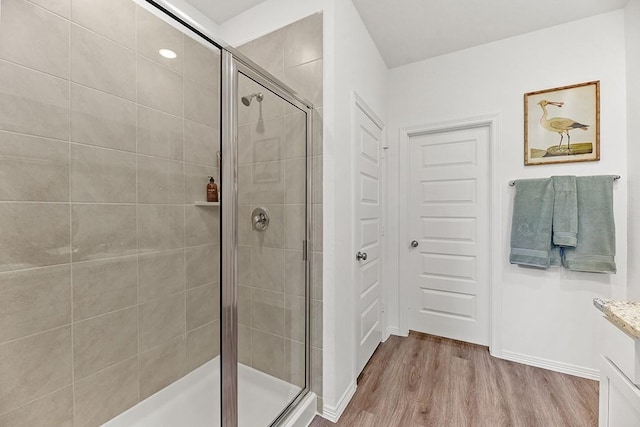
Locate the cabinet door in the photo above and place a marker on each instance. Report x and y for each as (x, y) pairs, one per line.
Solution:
(619, 398)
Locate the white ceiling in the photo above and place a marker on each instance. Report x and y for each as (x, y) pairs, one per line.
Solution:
(221, 10)
(407, 31)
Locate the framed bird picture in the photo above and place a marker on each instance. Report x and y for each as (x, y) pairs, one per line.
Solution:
(562, 124)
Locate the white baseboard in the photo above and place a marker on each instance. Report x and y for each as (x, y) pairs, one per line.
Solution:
(334, 413)
(552, 365)
(394, 330)
(391, 330)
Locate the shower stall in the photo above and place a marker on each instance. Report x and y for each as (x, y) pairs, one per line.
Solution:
(126, 298)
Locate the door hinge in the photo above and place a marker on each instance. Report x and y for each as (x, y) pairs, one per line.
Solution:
(382, 307)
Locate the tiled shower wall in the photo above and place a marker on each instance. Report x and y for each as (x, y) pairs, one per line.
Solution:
(269, 316)
(108, 274)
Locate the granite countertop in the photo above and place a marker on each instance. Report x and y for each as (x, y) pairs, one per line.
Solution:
(623, 314)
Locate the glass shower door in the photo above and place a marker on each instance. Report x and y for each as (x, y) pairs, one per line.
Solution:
(272, 271)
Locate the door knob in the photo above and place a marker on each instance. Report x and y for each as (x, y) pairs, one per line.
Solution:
(414, 243)
(361, 256)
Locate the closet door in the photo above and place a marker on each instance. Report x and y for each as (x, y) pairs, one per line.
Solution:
(448, 234)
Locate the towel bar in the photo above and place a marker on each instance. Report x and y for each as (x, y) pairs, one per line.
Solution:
(615, 178)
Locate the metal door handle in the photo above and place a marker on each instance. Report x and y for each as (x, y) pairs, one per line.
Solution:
(414, 243)
(361, 256)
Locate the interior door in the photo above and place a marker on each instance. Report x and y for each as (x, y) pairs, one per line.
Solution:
(368, 235)
(449, 234)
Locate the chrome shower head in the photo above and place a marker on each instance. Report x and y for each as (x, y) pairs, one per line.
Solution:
(246, 100)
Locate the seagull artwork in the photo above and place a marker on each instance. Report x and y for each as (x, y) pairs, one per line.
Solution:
(561, 125)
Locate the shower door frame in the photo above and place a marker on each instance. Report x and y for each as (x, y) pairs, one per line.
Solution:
(234, 64)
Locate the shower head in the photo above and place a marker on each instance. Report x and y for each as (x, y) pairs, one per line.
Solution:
(246, 100)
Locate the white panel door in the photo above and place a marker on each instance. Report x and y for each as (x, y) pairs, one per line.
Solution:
(368, 235)
(449, 234)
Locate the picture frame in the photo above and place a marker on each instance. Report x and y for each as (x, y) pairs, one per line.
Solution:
(562, 124)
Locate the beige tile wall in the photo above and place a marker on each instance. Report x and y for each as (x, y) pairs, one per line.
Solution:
(108, 273)
(271, 173)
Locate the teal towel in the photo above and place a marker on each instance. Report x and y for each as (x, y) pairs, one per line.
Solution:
(596, 247)
(555, 256)
(532, 221)
(565, 211)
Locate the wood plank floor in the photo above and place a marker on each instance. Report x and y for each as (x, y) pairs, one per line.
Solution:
(426, 381)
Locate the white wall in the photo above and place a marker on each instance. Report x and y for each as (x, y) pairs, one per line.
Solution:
(351, 63)
(632, 28)
(357, 66)
(545, 316)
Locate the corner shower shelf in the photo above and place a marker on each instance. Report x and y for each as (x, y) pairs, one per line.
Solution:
(201, 203)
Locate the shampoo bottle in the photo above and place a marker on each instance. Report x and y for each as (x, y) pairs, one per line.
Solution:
(212, 190)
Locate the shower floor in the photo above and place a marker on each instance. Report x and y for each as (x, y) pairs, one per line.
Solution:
(194, 400)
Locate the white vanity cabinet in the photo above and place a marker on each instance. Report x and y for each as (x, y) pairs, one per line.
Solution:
(619, 398)
(619, 378)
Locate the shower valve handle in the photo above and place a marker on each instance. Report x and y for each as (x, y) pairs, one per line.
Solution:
(260, 219)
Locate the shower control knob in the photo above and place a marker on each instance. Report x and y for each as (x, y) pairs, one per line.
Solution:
(414, 243)
(361, 256)
(260, 219)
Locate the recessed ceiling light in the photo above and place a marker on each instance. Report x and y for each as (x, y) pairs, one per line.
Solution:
(168, 53)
